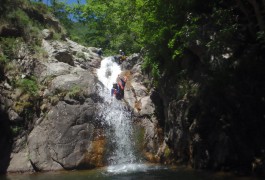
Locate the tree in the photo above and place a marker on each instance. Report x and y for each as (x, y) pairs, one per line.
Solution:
(108, 24)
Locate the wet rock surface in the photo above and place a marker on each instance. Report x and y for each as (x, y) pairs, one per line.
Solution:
(139, 96)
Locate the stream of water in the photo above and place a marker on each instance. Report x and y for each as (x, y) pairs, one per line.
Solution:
(143, 172)
(117, 118)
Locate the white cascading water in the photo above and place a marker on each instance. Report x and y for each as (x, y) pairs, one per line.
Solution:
(117, 118)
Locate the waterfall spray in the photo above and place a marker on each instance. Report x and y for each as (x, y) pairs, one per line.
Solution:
(116, 116)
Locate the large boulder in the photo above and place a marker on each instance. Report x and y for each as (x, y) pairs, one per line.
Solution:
(63, 55)
(55, 69)
(72, 53)
(58, 51)
(19, 162)
(77, 79)
(64, 135)
(85, 57)
(63, 139)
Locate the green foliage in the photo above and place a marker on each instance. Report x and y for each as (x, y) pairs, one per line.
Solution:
(106, 24)
(79, 32)
(28, 27)
(28, 85)
(19, 18)
(9, 47)
(40, 7)
(3, 59)
(8, 6)
(40, 53)
(57, 36)
(80, 55)
(75, 92)
(16, 129)
(30, 17)
(27, 103)
(61, 12)
(167, 152)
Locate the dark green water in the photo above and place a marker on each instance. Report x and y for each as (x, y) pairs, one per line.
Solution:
(128, 172)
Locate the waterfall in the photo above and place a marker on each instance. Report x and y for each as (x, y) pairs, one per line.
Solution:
(115, 116)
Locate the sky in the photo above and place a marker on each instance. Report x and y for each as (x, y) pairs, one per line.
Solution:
(75, 1)
(67, 1)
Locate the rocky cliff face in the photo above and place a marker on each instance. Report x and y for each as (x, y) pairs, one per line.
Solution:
(209, 119)
(144, 102)
(56, 126)
(62, 130)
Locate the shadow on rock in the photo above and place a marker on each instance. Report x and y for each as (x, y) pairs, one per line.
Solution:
(5, 142)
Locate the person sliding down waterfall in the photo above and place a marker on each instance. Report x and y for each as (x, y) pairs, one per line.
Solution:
(114, 90)
(118, 88)
(122, 81)
(122, 57)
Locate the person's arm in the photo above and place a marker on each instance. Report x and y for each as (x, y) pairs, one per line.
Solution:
(120, 78)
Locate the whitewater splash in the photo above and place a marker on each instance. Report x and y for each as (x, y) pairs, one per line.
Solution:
(116, 116)
(108, 72)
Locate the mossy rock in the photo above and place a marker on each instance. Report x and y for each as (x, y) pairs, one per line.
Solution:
(22, 103)
(19, 107)
(139, 138)
(25, 97)
(81, 55)
(54, 100)
(17, 94)
(167, 152)
(44, 107)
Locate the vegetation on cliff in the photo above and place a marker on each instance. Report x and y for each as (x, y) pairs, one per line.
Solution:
(21, 24)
